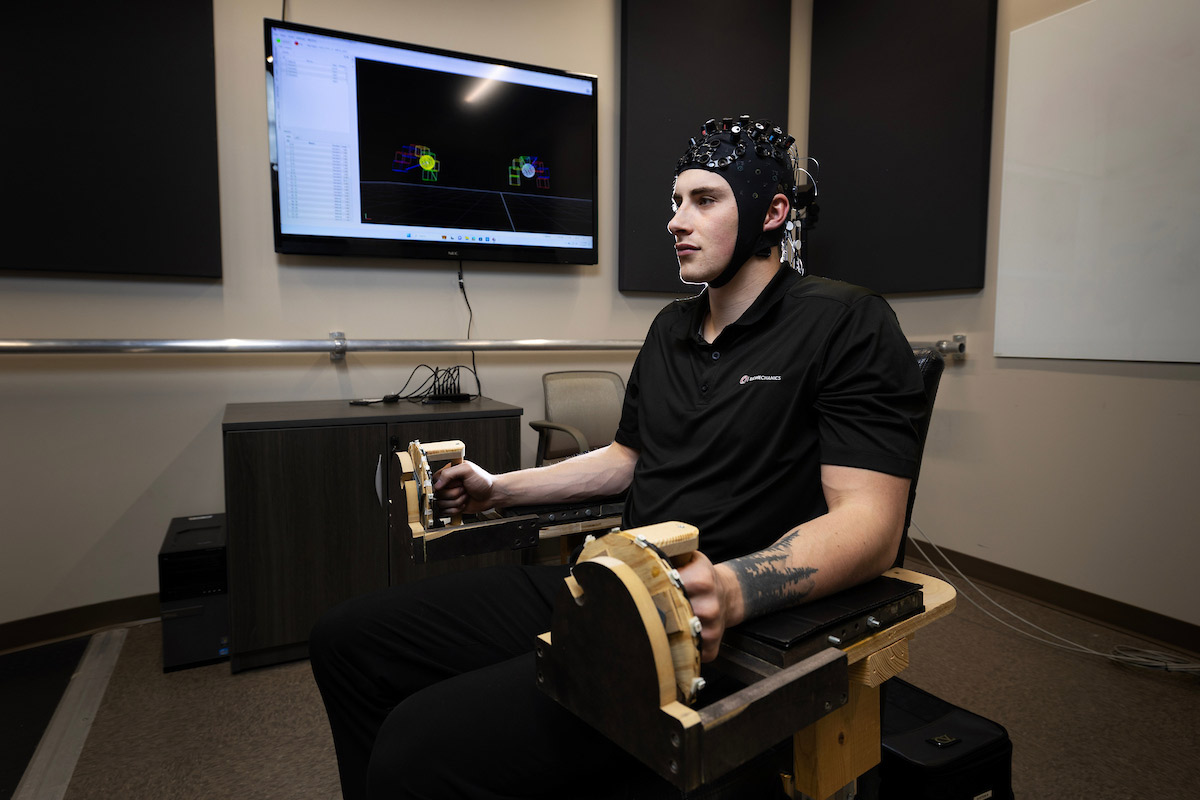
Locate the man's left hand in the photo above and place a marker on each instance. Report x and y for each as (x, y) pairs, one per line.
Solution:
(716, 600)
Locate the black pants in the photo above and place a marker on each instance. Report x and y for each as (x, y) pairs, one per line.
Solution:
(430, 692)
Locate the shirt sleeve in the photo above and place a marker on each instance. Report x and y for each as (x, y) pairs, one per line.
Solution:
(871, 394)
(629, 431)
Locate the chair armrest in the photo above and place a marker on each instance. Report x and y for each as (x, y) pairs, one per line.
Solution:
(543, 427)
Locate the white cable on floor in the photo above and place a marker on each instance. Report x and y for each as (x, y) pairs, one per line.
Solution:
(1134, 656)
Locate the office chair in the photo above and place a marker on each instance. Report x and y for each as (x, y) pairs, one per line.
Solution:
(932, 365)
(583, 409)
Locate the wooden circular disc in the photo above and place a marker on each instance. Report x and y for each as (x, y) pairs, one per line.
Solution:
(675, 612)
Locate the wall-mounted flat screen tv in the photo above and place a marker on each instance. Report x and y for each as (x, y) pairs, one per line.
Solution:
(380, 148)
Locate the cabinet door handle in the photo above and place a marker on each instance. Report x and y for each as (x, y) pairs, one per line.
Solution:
(379, 480)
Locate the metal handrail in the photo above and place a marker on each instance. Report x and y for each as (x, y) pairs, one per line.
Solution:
(337, 345)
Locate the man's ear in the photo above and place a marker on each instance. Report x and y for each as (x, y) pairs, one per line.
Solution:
(777, 212)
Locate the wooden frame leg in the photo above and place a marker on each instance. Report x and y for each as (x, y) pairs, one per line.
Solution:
(830, 755)
(847, 792)
(836, 749)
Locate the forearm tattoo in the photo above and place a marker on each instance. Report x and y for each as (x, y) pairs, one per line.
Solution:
(768, 582)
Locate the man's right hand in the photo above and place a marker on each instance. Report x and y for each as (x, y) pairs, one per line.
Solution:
(465, 488)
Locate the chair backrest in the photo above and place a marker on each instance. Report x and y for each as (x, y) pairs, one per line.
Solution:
(589, 400)
(931, 365)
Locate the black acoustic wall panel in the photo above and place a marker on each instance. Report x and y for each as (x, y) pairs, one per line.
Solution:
(111, 138)
(900, 119)
(681, 64)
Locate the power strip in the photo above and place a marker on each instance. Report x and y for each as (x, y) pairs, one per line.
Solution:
(446, 388)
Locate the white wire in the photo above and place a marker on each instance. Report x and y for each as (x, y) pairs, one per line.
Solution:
(1134, 656)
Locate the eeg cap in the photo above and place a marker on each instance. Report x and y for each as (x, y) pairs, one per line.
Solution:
(758, 161)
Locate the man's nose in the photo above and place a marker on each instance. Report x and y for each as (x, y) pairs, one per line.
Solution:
(677, 223)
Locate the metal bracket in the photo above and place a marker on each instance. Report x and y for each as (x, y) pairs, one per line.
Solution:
(339, 346)
(957, 347)
(954, 348)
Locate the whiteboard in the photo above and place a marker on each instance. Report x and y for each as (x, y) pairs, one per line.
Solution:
(1099, 244)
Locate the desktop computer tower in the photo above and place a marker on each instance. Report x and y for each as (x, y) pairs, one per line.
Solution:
(193, 592)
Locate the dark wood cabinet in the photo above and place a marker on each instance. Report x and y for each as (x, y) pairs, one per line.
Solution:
(306, 508)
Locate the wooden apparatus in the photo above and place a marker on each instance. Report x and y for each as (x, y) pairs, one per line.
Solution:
(649, 552)
(621, 655)
(622, 652)
(419, 479)
(434, 538)
(608, 658)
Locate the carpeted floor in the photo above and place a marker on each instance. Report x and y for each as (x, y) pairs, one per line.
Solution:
(204, 733)
(1081, 727)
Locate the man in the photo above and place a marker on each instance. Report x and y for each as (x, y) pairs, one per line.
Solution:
(774, 412)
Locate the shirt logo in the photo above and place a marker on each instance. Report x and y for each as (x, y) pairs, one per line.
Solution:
(748, 378)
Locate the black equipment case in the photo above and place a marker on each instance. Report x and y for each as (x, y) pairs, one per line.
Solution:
(934, 750)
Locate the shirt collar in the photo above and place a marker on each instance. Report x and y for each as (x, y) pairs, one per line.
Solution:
(693, 309)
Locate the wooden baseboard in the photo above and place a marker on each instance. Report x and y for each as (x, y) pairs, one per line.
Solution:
(1173, 633)
(23, 633)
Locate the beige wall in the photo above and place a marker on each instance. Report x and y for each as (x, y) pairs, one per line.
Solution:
(1081, 472)
(1073, 471)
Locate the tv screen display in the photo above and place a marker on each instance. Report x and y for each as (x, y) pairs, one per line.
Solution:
(380, 148)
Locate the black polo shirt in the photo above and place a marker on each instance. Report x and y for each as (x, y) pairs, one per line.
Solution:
(732, 435)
